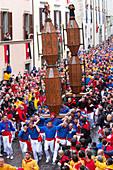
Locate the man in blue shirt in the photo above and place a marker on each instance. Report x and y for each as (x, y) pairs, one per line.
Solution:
(62, 131)
(24, 135)
(64, 109)
(55, 121)
(50, 131)
(70, 134)
(35, 140)
(5, 129)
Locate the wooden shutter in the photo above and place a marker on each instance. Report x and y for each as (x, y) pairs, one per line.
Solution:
(24, 26)
(10, 24)
(1, 26)
(55, 24)
(31, 25)
(60, 19)
(40, 19)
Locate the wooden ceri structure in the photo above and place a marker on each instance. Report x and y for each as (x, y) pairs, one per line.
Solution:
(50, 52)
(73, 43)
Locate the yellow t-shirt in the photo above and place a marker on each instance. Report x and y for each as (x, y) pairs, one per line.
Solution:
(6, 76)
(26, 164)
(7, 167)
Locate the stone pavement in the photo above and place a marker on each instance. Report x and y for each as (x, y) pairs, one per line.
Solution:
(17, 161)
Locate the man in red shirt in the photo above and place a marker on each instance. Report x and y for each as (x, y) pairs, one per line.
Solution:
(89, 163)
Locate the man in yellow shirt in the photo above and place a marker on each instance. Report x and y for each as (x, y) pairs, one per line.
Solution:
(7, 75)
(4, 166)
(28, 163)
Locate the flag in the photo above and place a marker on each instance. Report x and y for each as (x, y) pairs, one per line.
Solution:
(28, 51)
(7, 54)
(68, 1)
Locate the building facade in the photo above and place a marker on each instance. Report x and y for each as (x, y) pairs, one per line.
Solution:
(109, 17)
(93, 16)
(15, 18)
(90, 13)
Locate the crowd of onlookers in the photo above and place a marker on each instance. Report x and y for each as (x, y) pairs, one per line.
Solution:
(23, 109)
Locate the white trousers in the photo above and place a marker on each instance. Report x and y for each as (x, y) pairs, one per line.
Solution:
(47, 145)
(23, 146)
(63, 142)
(68, 143)
(13, 135)
(37, 148)
(7, 146)
(13, 132)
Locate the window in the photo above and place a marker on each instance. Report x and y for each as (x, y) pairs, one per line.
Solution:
(96, 17)
(5, 24)
(99, 3)
(85, 31)
(102, 4)
(42, 19)
(27, 67)
(28, 24)
(103, 17)
(67, 18)
(57, 19)
(91, 11)
(99, 17)
(86, 15)
(91, 16)
(91, 34)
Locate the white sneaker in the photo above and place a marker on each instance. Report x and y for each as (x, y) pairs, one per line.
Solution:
(47, 160)
(1, 154)
(11, 157)
(8, 156)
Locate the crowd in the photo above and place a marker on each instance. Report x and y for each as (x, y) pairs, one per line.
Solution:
(23, 109)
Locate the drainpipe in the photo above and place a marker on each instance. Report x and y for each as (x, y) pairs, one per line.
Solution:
(33, 33)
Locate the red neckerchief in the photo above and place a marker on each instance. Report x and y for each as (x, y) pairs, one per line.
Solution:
(31, 128)
(49, 127)
(26, 161)
(72, 148)
(70, 103)
(26, 133)
(5, 124)
(63, 108)
(86, 126)
(65, 127)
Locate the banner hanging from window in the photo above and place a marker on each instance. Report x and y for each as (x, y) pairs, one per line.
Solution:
(7, 53)
(28, 51)
(68, 1)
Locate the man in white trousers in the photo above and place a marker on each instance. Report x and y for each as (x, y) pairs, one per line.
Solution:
(62, 131)
(24, 136)
(50, 131)
(5, 129)
(35, 141)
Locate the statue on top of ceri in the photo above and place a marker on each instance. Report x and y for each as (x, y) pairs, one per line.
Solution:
(46, 10)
